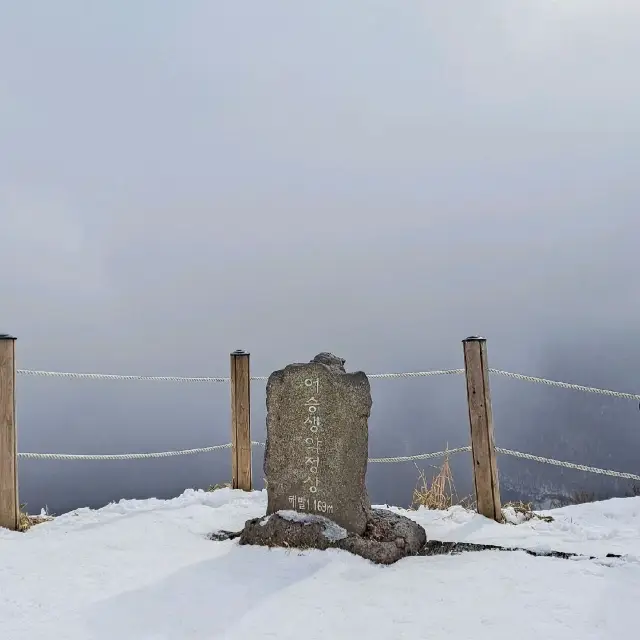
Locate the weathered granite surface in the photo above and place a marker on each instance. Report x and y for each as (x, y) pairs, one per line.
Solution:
(318, 442)
(387, 537)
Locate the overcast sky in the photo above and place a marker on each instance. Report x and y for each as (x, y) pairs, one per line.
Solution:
(373, 178)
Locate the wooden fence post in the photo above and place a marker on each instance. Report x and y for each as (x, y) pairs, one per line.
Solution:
(485, 468)
(240, 421)
(9, 505)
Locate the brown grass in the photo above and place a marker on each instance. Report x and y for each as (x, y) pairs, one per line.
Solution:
(26, 521)
(215, 487)
(440, 493)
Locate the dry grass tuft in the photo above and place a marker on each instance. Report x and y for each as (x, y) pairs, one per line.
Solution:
(215, 487)
(440, 493)
(26, 521)
(519, 512)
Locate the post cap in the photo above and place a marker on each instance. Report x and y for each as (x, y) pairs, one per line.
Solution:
(474, 339)
(240, 352)
(6, 336)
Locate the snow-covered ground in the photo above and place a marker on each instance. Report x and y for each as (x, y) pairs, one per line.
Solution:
(145, 570)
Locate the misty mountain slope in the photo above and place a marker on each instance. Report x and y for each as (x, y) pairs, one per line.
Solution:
(139, 570)
(573, 426)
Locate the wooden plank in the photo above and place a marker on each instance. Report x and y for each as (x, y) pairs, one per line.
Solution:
(485, 467)
(234, 429)
(9, 504)
(241, 420)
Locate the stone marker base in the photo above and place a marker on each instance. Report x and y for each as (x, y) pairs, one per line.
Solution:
(388, 536)
(438, 548)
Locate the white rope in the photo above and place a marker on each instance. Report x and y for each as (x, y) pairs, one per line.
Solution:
(111, 376)
(373, 376)
(120, 456)
(127, 456)
(566, 385)
(421, 456)
(187, 452)
(389, 376)
(416, 374)
(568, 465)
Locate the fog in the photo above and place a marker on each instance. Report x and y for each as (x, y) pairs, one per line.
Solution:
(375, 179)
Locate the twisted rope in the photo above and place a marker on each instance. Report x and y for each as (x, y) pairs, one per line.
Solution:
(568, 465)
(567, 385)
(113, 376)
(373, 376)
(394, 459)
(416, 374)
(187, 452)
(421, 456)
(121, 456)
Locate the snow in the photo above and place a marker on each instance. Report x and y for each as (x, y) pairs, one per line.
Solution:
(331, 531)
(145, 570)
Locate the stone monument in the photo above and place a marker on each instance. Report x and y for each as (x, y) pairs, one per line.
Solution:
(318, 441)
(315, 465)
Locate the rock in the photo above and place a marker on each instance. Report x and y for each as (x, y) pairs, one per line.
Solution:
(387, 537)
(317, 441)
(315, 466)
(221, 535)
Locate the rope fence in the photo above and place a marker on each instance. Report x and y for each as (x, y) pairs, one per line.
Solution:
(373, 376)
(476, 372)
(389, 460)
(568, 465)
(381, 376)
(113, 376)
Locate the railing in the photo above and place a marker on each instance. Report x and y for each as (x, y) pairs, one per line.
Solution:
(482, 446)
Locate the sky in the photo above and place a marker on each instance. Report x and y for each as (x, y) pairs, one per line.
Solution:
(372, 178)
